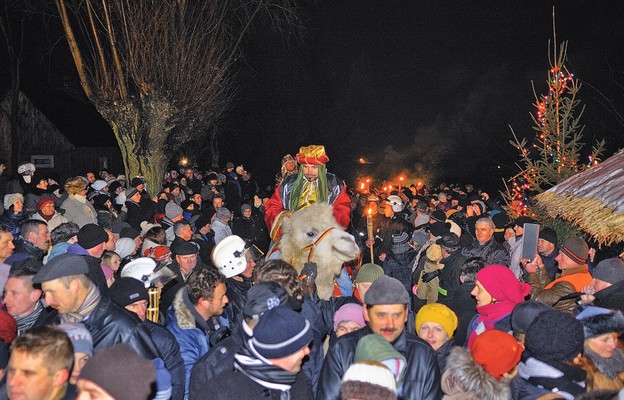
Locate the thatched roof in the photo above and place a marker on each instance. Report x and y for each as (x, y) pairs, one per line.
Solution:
(592, 200)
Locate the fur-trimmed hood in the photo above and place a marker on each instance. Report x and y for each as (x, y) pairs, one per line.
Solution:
(184, 315)
(464, 376)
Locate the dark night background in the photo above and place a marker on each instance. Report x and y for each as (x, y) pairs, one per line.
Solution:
(424, 88)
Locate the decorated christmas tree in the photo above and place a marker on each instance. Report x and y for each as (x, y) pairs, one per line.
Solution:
(556, 150)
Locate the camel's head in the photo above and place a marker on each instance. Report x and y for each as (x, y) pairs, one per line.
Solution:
(306, 226)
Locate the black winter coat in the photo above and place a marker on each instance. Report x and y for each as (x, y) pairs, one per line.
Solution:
(219, 358)
(492, 251)
(110, 324)
(236, 385)
(170, 352)
(422, 375)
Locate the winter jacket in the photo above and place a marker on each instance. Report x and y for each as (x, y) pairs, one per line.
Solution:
(422, 375)
(191, 332)
(464, 306)
(522, 389)
(571, 280)
(13, 221)
(24, 246)
(221, 230)
(136, 214)
(110, 324)
(219, 359)
(78, 212)
(449, 275)
(237, 296)
(611, 297)
(597, 380)
(492, 251)
(464, 379)
(55, 221)
(251, 229)
(399, 265)
(170, 353)
(234, 384)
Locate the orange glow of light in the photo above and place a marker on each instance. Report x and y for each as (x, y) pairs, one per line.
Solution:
(368, 180)
(370, 211)
(401, 178)
(362, 186)
(362, 160)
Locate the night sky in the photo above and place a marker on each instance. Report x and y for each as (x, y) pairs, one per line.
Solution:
(424, 88)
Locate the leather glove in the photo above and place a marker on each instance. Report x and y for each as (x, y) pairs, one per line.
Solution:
(429, 276)
(309, 272)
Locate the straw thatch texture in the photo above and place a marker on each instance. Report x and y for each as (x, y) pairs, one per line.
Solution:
(593, 200)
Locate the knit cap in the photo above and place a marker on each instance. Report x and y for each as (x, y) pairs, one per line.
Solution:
(280, 333)
(374, 347)
(80, 337)
(349, 312)
(10, 198)
(610, 270)
(172, 210)
(99, 184)
(43, 201)
(502, 284)
(223, 212)
(576, 249)
(111, 367)
(368, 380)
(554, 336)
(524, 314)
(598, 321)
(90, 235)
(549, 235)
(262, 297)
(386, 290)
(497, 352)
(440, 314)
(125, 247)
(126, 291)
(369, 273)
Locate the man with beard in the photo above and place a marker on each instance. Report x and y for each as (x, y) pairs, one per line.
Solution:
(312, 184)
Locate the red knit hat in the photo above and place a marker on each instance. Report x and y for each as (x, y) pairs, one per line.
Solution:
(312, 155)
(497, 352)
(502, 284)
(8, 327)
(44, 200)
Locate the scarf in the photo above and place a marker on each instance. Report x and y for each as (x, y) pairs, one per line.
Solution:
(610, 367)
(572, 381)
(24, 323)
(297, 188)
(86, 308)
(489, 315)
(46, 217)
(258, 369)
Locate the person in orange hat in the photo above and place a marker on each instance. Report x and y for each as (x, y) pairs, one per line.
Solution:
(485, 370)
(310, 185)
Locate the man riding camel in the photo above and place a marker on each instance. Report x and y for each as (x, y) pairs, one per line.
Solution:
(312, 184)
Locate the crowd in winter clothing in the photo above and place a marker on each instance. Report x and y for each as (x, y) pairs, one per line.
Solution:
(177, 293)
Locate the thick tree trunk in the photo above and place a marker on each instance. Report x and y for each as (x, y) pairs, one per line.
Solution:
(141, 129)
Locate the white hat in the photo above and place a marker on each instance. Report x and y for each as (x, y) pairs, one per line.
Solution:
(229, 256)
(396, 203)
(366, 379)
(99, 184)
(142, 269)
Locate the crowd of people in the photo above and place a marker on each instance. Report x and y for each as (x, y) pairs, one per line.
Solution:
(113, 292)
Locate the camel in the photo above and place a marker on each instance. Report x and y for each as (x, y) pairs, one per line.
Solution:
(313, 233)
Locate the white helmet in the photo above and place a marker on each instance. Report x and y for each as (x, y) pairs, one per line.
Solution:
(141, 269)
(396, 203)
(229, 256)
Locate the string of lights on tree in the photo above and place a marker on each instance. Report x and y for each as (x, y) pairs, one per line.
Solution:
(554, 153)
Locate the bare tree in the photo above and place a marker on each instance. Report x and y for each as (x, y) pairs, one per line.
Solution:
(160, 71)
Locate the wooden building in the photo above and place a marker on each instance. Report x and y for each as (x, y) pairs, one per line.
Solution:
(63, 144)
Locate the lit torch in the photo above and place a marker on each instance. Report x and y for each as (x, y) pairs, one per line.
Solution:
(400, 183)
(369, 228)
